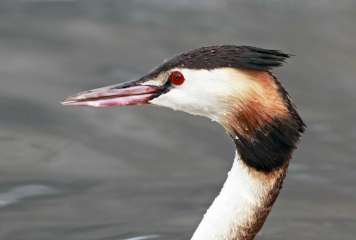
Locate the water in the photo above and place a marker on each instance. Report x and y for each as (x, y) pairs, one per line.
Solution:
(150, 173)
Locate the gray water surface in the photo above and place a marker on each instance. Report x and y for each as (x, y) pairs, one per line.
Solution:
(146, 172)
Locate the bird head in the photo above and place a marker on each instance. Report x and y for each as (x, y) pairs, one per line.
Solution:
(214, 82)
(229, 84)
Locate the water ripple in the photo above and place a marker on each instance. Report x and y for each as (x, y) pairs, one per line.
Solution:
(18, 193)
(142, 237)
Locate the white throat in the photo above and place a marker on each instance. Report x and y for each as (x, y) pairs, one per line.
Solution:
(242, 206)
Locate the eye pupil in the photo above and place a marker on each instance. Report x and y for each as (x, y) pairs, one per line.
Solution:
(176, 78)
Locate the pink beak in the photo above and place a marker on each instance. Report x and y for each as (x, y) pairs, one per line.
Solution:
(117, 95)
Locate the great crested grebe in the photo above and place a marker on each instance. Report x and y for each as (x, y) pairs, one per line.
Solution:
(233, 86)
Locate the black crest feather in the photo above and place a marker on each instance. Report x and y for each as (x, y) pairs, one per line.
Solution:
(212, 57)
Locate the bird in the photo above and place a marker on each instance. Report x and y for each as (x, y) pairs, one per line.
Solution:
(235, 87)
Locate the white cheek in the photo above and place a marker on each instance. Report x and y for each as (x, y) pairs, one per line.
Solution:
(194, 96)
(202, 93)
(178, 99)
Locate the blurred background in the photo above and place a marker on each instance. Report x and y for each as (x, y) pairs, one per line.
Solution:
(150, 173)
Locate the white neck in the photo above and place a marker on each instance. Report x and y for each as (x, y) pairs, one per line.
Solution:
(243, 204)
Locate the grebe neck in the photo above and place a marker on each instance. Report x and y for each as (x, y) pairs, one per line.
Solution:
(243, 204)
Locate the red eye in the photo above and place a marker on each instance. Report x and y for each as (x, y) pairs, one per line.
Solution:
(176, 78)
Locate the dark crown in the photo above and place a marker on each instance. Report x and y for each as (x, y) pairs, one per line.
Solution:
(212, 57)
